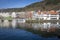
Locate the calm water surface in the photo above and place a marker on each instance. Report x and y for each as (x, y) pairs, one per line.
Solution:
(16, 30)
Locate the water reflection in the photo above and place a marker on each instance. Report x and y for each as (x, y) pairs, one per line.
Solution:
(13, 23)
(35, 26)
(5, 23)
(46, 26)
(39, 28)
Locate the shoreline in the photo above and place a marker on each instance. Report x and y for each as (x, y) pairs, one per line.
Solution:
(35, 21)
(41, 21)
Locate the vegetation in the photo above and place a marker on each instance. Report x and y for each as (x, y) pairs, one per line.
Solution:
(41, 21)
(52, 1)
(8, 18)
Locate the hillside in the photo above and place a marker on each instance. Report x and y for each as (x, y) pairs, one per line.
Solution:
(43, 5)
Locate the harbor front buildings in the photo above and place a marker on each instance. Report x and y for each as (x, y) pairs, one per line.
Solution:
(46, 15)
(33, 15)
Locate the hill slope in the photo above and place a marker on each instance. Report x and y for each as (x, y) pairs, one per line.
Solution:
(43, 5)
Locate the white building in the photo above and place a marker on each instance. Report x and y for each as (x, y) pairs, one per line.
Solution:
(59, 13)
(4, 14)
(13, 15)
(46, 16)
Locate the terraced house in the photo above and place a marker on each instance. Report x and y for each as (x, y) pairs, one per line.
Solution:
(46, 15)
(59, 13)
(34, 15)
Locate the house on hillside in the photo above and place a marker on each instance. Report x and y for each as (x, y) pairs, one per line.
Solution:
(13, 14)
(46, 15)
(38, 15)
(4, 14)
(7, 15)
(59, 13)
(20, 15)
(53, 15)
(29, 15)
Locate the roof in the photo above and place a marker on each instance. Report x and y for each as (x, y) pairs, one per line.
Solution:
(53, 12)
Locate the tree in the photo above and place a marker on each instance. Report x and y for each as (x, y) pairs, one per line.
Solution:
(52, 1)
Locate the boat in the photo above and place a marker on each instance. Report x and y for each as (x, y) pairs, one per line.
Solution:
(21, 20)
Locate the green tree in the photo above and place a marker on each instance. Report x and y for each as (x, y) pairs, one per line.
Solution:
(52, 1)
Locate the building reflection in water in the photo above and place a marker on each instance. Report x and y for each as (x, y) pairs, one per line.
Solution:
(46, 26)
(5, 23)
(34, 26)
(13, 23)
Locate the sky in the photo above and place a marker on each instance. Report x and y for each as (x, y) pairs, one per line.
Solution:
(15, 3)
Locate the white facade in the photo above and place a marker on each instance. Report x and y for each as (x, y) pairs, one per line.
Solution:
(59, 13)
(35, 15)
(4, 14)
(46, 16)
(13, 15)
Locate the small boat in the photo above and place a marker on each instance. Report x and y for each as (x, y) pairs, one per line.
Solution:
(21, 20)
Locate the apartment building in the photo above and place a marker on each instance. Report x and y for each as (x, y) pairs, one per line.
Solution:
(59, 13)
(46, 15)
(4, 14)
(34, 15)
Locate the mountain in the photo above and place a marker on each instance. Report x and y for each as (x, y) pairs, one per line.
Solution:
(43, 5)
